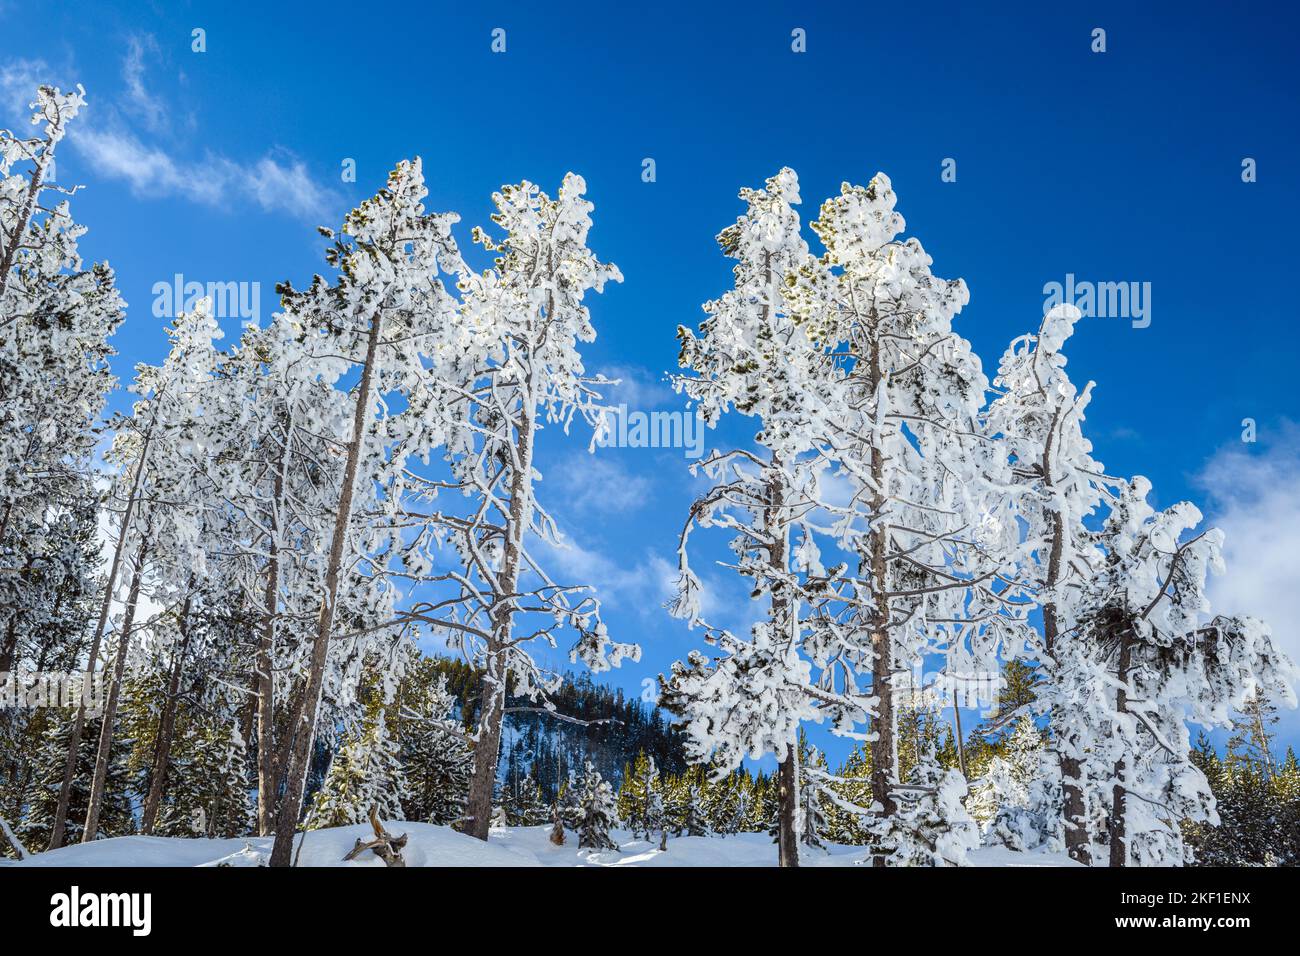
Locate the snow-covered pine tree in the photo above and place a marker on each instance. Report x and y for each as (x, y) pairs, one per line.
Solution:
(525, 807)
(518, 370)
(1039, 416)
(1149, 661)
(209, 797)
(569, 800)
(161, 450)
(742, 804)
(387, 317)
(1017, 801)
(694, 821)
(640, 804)
(597, 812)
(436, 759)
(55, 320)
(115, 815)
(764, 355)
(45, 612)
(930, 825)
(656, 815)
(814, 796)
(279, 419)
(922, 517)
(850, 799)
(365, 773)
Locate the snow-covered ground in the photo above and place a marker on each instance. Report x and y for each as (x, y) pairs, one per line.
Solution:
(510, 846)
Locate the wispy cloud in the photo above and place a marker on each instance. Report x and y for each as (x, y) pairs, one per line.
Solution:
(129, 138)
(596, 483)
(139, 101)
(1255, 498)
(19, 79)
(638, 388)
(273, 183)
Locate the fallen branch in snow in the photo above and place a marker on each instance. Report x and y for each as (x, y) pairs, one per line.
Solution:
(385, 846)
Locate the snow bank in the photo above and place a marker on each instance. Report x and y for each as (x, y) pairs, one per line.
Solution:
(508, 846)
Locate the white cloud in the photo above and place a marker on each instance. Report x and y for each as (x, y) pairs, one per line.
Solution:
(123, 140)
(18, 82)
(274, 184)
(638, 388)
(139, 101)
(595, 482)
(642, 586)
(1255, 499)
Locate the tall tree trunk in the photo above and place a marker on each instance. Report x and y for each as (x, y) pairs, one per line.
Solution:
(884, 750)
(104, 756)
(58, 828)
(788, 809)
(785, 617)
(492, 694)
(1074, 810)
(166, 725)
(302, 726)
(263, 674)
(1118, 828)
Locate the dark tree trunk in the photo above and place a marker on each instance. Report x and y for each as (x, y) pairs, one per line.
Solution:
(1119, 799)
(263, 674)
(1077, 841)
(884, 770)
(788, 795)
(492, 695)
(302, 727)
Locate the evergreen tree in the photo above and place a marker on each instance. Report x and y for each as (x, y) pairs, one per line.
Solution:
(850, 801)
(366, 773)
(813, 795)
(209, 795)
(695, 821)
(931, 826)
(640, 801)
(597, 812)
(570, 801)
(763, 354)
(116, 818)
(525, 806)
(1017, 801)
(435, 758)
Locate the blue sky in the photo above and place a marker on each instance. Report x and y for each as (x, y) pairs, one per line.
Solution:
(1118, 166)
